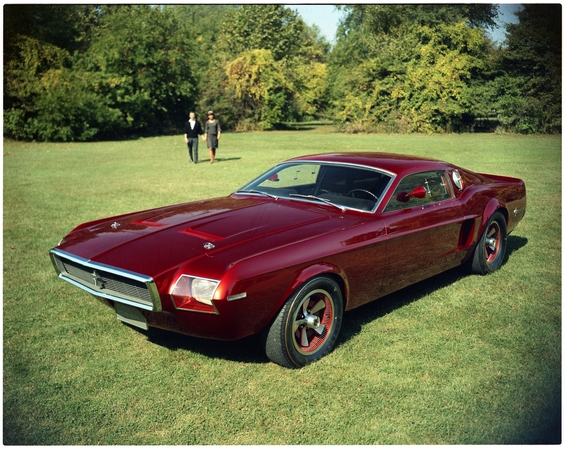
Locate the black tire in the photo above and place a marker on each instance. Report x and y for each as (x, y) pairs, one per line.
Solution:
(491, 248)
(307, 326)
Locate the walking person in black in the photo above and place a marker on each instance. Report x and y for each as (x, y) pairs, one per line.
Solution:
(192, 131)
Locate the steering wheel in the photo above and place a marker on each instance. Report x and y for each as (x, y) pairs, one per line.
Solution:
(362, 190)
(436, 189)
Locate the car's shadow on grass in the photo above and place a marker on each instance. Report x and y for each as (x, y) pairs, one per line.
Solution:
(249, 350)
(246, 350)
(514, 243)
(355, 319)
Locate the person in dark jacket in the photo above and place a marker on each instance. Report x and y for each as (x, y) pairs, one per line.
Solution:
(192, 131)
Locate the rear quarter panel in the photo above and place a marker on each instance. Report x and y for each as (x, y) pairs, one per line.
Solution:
(511, 194)
(482, 196)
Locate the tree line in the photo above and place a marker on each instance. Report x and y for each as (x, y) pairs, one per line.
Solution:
(85, 72)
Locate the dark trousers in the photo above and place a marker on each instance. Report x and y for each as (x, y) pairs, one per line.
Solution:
(193, 146)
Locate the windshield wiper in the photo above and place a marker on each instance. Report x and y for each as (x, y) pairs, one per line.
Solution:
(255, 191)
(324, 200)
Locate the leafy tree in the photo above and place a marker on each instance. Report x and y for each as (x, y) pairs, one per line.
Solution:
(375, 19)
(42, 98)
(408, 67)
(273, 67)
(529, 94)
(51, 102)
(146, 64)
(200, 26)
(64, 26)
(261, 87)
(79, 72)
(436, 95)
(270, 27)
(131, 74)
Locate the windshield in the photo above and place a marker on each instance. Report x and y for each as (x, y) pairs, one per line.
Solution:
(344, 186)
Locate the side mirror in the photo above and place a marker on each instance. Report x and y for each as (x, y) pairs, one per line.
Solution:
(418, 192)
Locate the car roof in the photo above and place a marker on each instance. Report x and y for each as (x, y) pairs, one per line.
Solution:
(391, 162)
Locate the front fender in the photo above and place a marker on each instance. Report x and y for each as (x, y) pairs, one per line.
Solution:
(304, 274)
(257, 300)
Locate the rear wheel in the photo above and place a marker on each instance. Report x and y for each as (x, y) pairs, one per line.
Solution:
(489, 253)
(308, 325)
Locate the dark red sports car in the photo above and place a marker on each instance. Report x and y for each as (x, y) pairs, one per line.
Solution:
(285, 256)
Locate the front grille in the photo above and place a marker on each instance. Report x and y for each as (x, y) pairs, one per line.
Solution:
(107, 281)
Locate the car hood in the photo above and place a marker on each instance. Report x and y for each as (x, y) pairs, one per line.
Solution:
(154, 241)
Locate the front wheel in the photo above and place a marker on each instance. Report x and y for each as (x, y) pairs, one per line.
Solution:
(308, 325)
(489, 253)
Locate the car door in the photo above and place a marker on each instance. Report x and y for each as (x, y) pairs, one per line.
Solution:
(423, 222)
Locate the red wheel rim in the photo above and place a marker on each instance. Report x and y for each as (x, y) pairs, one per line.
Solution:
(492, 242)
(313, 318)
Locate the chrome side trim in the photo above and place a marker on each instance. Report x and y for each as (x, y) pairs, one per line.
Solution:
(59, 256)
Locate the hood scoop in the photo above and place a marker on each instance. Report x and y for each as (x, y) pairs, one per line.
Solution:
(200, 234)
(148, 223)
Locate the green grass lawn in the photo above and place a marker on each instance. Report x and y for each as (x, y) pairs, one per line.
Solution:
(453, 360)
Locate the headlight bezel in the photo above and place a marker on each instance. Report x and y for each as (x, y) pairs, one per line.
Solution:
(192, 293)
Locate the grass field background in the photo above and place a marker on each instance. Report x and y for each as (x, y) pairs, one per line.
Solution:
(456, 359)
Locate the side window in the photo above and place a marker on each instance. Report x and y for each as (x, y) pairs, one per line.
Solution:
(420, 189)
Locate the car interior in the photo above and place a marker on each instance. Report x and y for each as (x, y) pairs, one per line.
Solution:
(435, 188)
